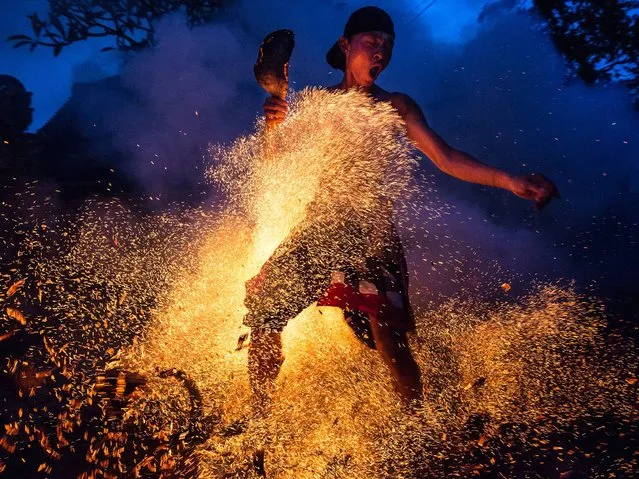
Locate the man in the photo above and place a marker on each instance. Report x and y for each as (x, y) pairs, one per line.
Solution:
(19, 150)
(378, 294)
(15, 108)
(19, 165)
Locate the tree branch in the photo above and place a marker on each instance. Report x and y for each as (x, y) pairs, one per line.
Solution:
(70, 21)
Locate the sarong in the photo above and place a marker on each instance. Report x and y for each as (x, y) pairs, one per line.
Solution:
(333, 262)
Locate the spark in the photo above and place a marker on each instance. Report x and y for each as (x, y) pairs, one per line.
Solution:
(141, 315)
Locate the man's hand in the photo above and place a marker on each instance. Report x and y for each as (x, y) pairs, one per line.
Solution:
(275, 110)
(535, 187)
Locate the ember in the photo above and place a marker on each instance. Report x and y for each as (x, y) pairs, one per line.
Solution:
(135, 367)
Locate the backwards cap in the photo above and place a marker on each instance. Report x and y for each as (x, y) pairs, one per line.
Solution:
(366, 19)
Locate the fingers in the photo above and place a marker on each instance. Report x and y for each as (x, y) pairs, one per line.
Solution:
(537, 188)
(543, 190)
(276, 104)
(544, 184)
(541, 202)
(275, 109)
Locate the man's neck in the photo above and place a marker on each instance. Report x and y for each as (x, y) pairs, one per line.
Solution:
(349, 82)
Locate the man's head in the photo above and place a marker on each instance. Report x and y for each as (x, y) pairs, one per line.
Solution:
(16, 113)
(366, 47)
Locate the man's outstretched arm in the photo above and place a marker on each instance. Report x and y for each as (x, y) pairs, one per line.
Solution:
(461, 165)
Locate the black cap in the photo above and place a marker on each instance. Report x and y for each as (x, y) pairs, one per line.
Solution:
(366, 19)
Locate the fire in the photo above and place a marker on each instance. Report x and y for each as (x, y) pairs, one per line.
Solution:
(158, 293)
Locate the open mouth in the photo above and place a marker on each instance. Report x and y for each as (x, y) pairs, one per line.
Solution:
(375, 71)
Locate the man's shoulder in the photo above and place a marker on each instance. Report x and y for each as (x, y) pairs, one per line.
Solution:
(404, 104)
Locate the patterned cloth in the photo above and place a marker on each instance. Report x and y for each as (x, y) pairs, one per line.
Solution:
(336, 264)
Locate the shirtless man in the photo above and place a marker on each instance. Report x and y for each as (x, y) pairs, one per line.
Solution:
(362, 53)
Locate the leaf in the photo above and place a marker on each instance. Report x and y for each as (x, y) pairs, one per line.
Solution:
(36, 23)
(13, 38)
(7, 336)
(7, 445)
(55, 21)
(107, 49)
(13, 289)
(17, 315)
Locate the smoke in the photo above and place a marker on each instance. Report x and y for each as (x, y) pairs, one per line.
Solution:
(193, 88)
(167, 103)
(496, 89)
(506, 98)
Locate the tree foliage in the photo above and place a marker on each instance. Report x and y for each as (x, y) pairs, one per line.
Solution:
(129, 22)
(599, 38)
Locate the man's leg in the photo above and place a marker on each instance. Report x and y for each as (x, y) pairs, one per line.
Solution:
(290, 281)
(264, 362)
(392, 344)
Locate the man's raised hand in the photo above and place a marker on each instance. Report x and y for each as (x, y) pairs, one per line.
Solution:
(275, 110)
(535, 187)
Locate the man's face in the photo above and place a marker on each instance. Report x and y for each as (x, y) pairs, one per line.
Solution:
(367, 55)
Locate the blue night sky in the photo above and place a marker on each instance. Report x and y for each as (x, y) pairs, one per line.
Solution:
(49, 78)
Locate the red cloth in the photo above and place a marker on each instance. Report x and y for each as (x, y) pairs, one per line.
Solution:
(387, 306)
